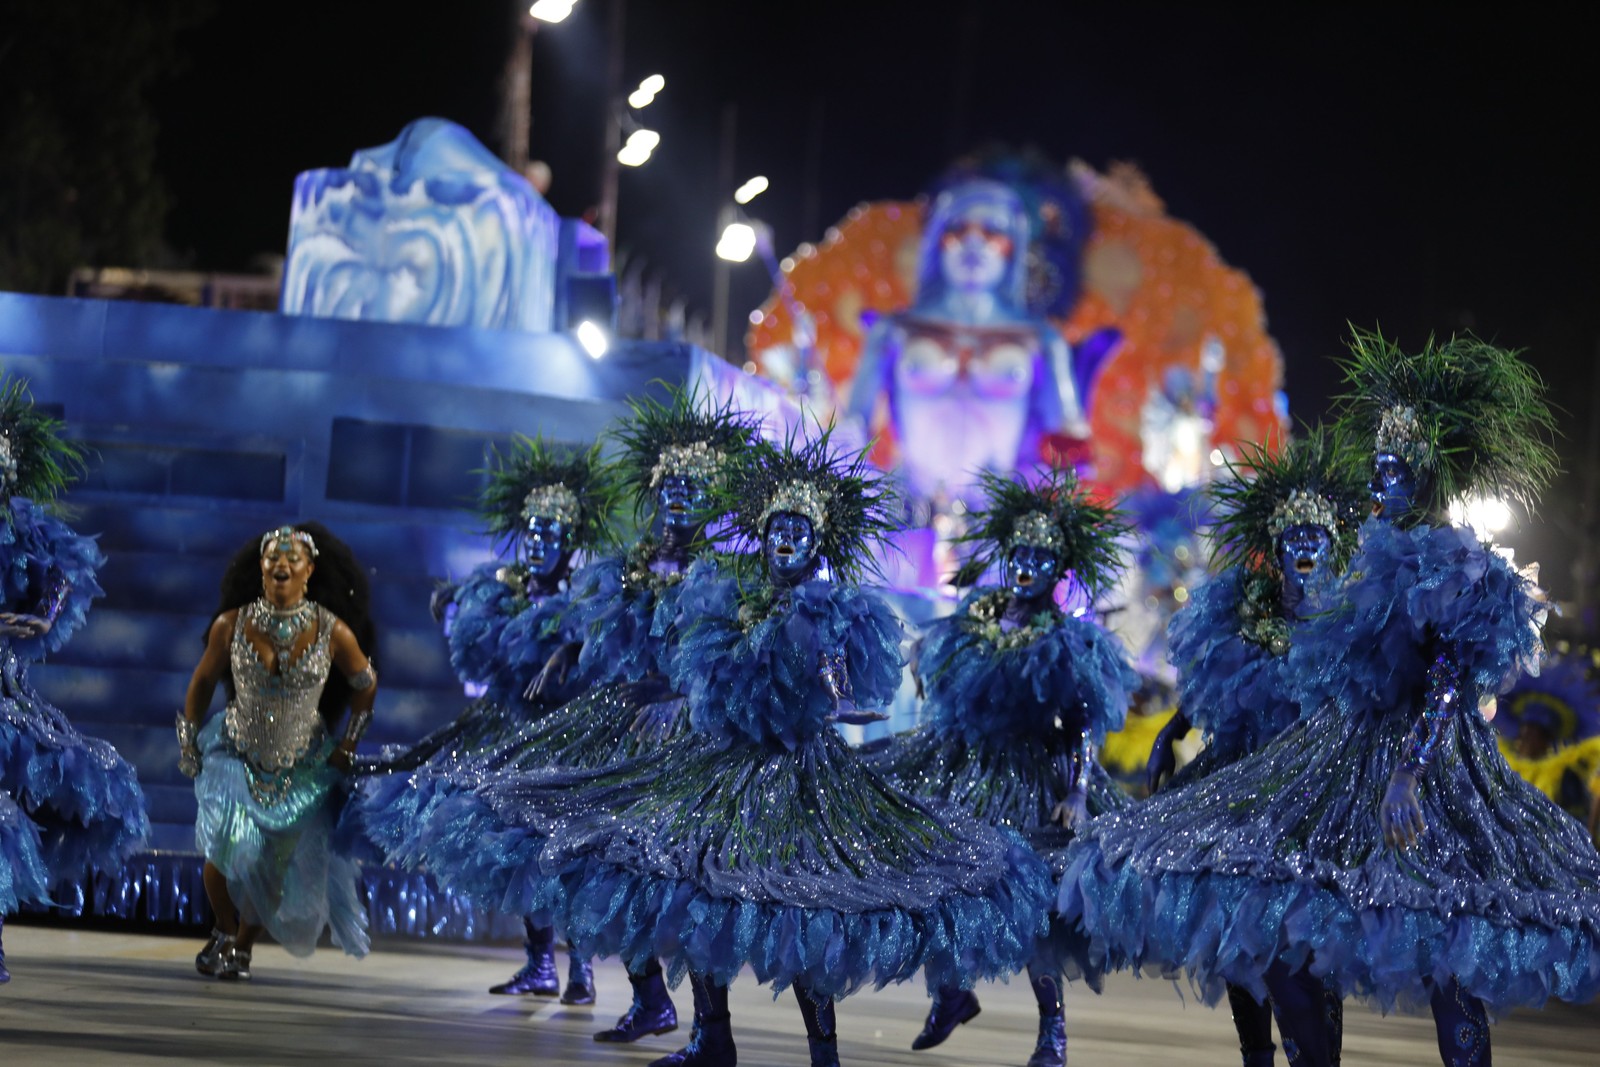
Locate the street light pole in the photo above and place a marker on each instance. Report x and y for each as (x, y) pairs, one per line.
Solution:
(516, 109)
(608, 162)
(720, 280)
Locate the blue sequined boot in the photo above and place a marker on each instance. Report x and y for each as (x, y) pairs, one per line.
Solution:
(1462, 1026)
(711, 1042)
(539, 976)
(951, 1007)
(1253, 1021)
(822, 1029)
(1051, 1049)
(1299, 1003)
(650, 1013)
(5, 975)
(580, 981)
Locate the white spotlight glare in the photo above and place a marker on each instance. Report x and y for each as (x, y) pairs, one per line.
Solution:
(750, 190)
(644, 140)
(1486, 516)
(737, 243)
(593, 339)
(551, 10)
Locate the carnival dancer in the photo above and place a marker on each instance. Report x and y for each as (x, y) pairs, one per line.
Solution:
(671, 458)
(290, 642)
(1019, 694)
(761, 838)
(1381, 844)
(1285, 527)
(544, 505)
(69, 804)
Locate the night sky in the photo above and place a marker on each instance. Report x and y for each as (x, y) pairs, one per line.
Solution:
(1427, 171)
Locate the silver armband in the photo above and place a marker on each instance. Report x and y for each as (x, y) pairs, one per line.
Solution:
(188, 746)
(363, 679)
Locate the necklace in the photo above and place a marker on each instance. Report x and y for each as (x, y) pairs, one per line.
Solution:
(281, 627)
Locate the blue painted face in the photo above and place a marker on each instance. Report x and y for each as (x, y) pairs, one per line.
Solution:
(682, 502)
(544, 545)
(790, 548)
(1393, 487)
(1303, 554)
(1032, 572)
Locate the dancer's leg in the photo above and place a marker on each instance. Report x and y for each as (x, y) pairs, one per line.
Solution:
(951, 1007)
(1253, 1020)
(822, 1031)
(711, 1043)
(1299, 1002)
(1051, 1048)
(1462, 1025)
(539, 975)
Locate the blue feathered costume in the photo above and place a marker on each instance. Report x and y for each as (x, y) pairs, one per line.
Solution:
(1016, 706)
(84, 798)
(1291, 858)
(760, 838)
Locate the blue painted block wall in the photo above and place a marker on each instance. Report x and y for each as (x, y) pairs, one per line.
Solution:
(211, 426)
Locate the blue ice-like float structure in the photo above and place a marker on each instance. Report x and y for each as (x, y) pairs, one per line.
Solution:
(430, 229)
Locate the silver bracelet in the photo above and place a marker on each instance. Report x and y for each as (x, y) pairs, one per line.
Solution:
(356, 728)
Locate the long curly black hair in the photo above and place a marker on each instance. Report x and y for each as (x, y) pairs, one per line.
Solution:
(338, 583)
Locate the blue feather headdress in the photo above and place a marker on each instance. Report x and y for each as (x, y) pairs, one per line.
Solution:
(35, 462)
(691, 435)
(1054, 512)
(540, 479)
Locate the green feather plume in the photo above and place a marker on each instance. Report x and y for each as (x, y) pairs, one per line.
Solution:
(45, 462)
(533, 463)
(1089, 531)
(1483, 425)
(688, 417)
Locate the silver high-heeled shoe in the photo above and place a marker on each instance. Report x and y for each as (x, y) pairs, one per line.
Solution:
(209, 960)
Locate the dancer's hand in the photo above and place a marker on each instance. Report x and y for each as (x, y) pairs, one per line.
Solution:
(554, 672)
(1163, 761)
(342, 760)
(655, 721)
(1072, 812)
(1401, 814)
(13, 625)
(440, 599)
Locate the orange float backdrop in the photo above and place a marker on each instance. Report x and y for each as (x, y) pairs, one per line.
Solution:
(1155, 278)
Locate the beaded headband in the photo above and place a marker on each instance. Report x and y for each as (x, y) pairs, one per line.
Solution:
(1400, 433)
(697, 460)
(552, 502)
(802, 498)
(1302, 508)
(8, 461)
(288, 533)
(1038, 530)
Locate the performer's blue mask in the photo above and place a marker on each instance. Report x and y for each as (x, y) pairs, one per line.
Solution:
(1303, 553)
(790, 548)
(1032, 572)
(682, 502)
(544, 546)
(1393, 487)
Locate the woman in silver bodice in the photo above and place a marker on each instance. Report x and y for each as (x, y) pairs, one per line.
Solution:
(290, 644)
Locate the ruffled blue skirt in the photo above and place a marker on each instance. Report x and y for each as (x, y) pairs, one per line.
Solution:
(81, 795)
(23, 878)
(593, 731)
(804, 865)
(1281, 856)
(275, 853)
(1015, 783)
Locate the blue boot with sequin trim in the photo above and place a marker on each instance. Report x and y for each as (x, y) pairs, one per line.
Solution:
(1462, 1025)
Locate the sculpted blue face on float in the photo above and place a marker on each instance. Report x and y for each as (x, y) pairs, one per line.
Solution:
(544, 545)
(790, 548)
(1393, 486)
(1032, 572)
(682, 502)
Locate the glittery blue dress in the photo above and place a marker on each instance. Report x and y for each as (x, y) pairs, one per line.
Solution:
(268, 799)
(500, 638)
(1232, 688)
(82, 798)
(1006, 710)
(622, 612)
(760, 838)
(1281, 856)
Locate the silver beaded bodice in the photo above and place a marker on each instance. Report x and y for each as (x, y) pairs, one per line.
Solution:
(273, 720)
